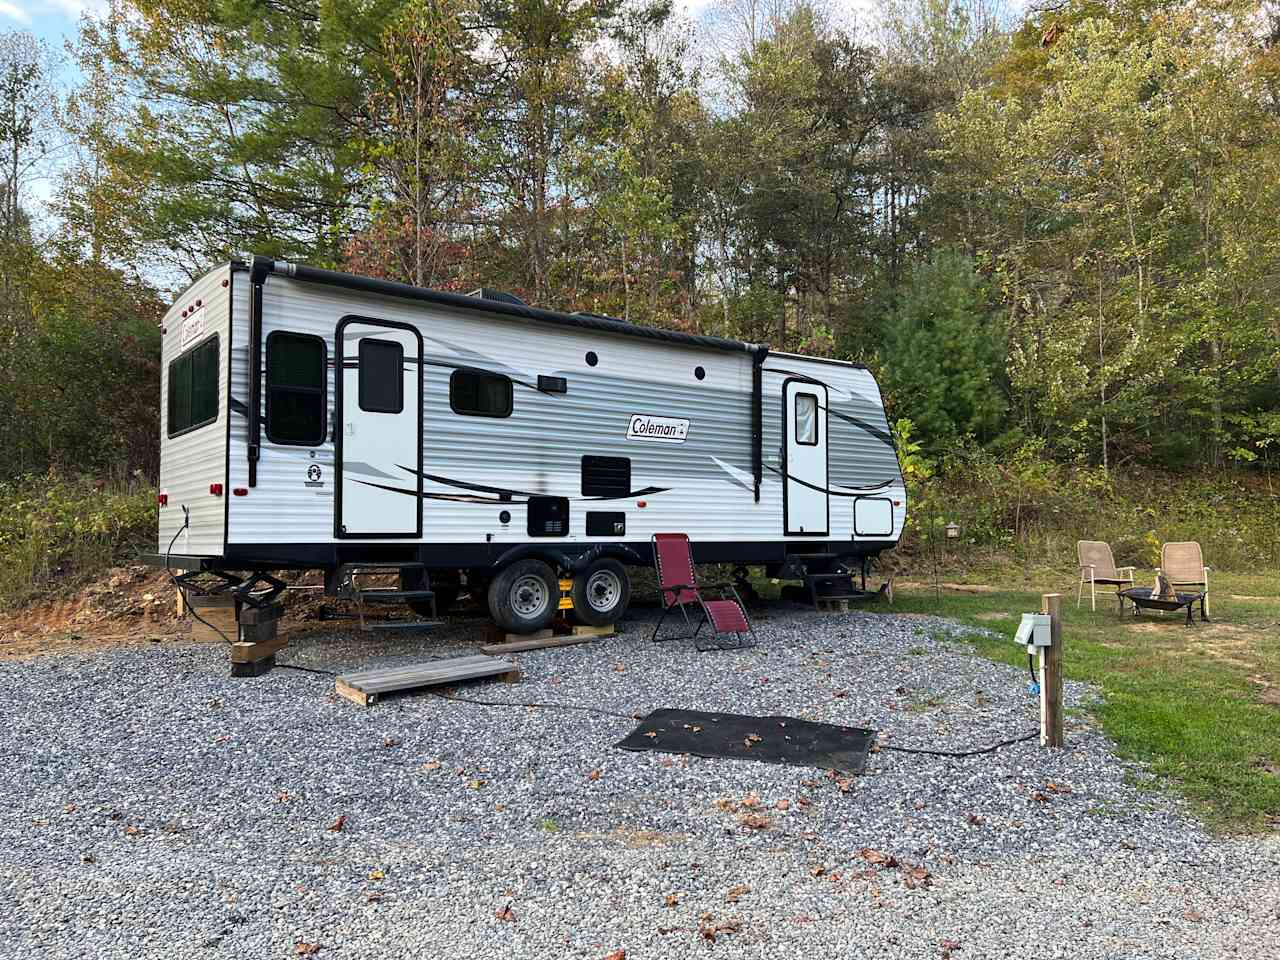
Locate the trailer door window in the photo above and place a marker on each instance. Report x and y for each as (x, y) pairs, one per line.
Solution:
(477, 393)
(381, 376)
(807, 419)
(193, 388)
(297, 373)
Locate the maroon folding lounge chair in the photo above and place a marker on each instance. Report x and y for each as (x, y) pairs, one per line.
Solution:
(674, 560)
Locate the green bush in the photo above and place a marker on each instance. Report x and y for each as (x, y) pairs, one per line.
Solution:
(57, 531)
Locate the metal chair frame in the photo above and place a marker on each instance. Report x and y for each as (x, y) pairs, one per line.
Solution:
(676, 591)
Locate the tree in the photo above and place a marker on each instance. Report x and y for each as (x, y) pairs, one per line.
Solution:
(943, 354)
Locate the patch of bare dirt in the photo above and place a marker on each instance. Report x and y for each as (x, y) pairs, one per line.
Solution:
(992, 615)
(133, 604)
(956, 587)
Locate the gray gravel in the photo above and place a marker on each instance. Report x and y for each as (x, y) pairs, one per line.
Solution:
(156, 807)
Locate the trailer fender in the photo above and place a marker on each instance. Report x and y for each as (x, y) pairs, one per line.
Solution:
(562, 560)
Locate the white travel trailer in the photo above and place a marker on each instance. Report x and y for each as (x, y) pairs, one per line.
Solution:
(317, 420)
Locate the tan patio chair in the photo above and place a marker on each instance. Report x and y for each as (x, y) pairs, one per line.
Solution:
(1097, 565)
(1183, 565)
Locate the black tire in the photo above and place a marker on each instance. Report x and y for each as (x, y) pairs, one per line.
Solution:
(524, 597)
(601, 593)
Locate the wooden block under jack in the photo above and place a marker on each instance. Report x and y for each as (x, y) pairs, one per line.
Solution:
(220, 613)
(495, 634)
(250, 652)
(577, 633)
(255, 668)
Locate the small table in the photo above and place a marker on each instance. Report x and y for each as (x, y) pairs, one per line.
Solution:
(1142, 597)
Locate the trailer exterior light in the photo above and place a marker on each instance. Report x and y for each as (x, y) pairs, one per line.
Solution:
(642, 504)
(215, 489)
(162, 498)
(240, 491)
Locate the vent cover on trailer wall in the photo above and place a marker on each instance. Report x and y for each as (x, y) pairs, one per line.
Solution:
(606, 477)
(548, 517)
(606, 523)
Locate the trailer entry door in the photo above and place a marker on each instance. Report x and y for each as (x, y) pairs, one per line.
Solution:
(804, 406)
(379, 427)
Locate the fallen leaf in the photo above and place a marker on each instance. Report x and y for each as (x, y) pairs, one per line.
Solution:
(390, 742)
(377, 875)
(432, 765)
(499, 807)
(88, 858)
(817, 871)
(1194, 916)
(476, 784)
(1060, 788)
(920, 805)
(709, 929)
(1037, 795)
(974, 820)
(593, 775)
(506, 915)
(617, 955)
(672, 900)
(724, 803)
(696, 729)
(306, 949)
(652, 734)
(783, 804)
(339, 823)
(619, 668)
(753, 821)
(752, 738)
(948, 946)
(131, 831)
(840, 694)
(875, 856)
(736, 893)
(751, 801)
(283, 797)
(70, 808)
(804, 802)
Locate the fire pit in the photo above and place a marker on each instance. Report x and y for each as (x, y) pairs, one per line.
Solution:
(1152, 599)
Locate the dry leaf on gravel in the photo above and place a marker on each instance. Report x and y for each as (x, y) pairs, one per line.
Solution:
(390, 742)
(652, 734)
(754, 821)
(306, 949)
(736, 893)
(974, 820)
(376, 875)
(1059, 788)
(817, 871)
(432, 765)
(338, 824)
(876, 857)
(672, 900)
(949, 947)
(506, 914)
(617, 955)
(783, 804)
(593, 775)
(709, 929)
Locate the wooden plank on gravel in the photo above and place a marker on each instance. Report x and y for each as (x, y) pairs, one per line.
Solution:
(249, 652)
(365, 686)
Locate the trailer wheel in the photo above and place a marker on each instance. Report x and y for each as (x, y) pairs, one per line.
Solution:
(524, 597)
(601, 593)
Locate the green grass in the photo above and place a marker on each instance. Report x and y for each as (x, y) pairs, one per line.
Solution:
(1180, 699)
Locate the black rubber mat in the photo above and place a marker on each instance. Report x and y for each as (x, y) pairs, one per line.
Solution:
(767, 739)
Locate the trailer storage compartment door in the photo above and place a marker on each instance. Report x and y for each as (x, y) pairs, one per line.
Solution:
(379, 435)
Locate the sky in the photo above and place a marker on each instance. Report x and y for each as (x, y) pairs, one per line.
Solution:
(50, 20)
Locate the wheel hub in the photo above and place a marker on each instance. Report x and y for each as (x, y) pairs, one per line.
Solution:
(529, 596)
(603, 590)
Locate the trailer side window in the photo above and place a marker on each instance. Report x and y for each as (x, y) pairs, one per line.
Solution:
(193, 388)
(381, 376)
(807, 419)
(477, 393)
(297, 375)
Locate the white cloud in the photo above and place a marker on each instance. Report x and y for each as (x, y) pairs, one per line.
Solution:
(73, 8)
(14, 12)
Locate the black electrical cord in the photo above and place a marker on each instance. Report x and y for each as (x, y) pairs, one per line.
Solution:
(964, 753)
(551, 706)
(186, 597)
(1032, 670)
(291, 666)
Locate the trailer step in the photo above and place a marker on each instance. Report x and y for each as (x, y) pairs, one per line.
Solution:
(392, 596)
(365, 687)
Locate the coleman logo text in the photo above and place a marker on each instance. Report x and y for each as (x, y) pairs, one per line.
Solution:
(657, 429)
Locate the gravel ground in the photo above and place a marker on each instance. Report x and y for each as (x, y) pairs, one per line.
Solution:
(155, 807)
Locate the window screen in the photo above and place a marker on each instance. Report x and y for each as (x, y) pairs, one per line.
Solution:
(476, 393)
(296, 380)
(806, 419)
(193, 388)
(381, 376)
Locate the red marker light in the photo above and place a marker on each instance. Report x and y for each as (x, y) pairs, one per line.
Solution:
(642, 504)
(215, 489)
(162, 499)
(224, 283)
(240, 491)
(897, 503)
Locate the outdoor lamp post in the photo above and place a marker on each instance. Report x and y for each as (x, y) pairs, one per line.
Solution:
(953, 530)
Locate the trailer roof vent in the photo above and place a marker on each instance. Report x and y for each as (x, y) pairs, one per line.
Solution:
(484, 293)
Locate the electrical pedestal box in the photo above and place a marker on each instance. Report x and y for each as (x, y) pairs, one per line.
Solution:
(1034, 630)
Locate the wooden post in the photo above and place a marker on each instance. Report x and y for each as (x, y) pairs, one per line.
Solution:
(1051, 674)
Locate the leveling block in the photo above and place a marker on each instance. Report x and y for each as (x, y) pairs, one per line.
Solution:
(366, 686)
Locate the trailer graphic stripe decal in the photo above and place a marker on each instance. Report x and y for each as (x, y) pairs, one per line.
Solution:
(851, 492)
(500, 494)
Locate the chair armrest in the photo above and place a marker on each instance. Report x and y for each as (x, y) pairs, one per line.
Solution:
(1090, 567)
(677, 586)
(1122, 569)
